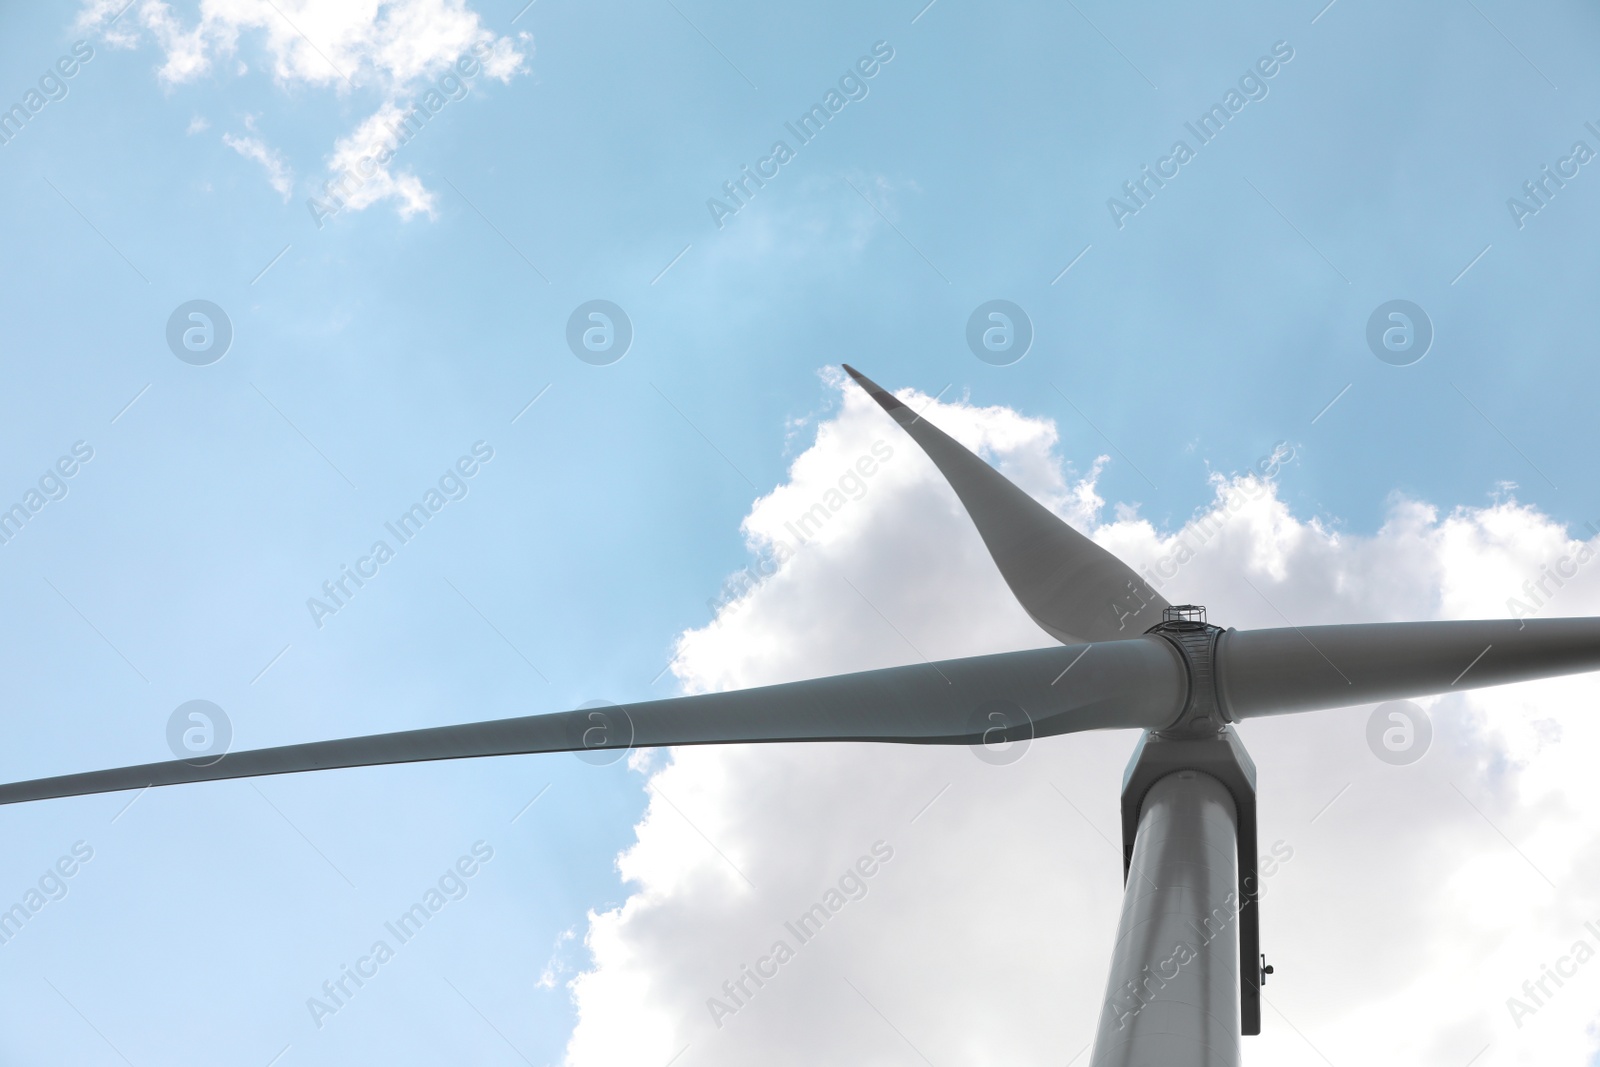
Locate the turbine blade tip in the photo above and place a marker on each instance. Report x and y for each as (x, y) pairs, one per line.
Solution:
(884, 398)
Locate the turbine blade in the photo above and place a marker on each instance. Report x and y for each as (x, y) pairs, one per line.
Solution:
(1273, 672)
(1074, 589)
(985, 699)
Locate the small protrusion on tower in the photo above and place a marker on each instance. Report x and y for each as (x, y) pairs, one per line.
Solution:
(1266, 968)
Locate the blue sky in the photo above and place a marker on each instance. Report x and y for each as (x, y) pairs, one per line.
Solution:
(376, 349)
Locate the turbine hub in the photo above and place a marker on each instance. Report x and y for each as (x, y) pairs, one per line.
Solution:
(1203, 714)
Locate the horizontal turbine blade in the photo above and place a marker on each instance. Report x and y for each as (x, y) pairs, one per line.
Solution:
(1070, 586)
(1010, 696)
(1273, 672)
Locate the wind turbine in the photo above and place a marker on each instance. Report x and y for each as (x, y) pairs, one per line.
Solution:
(1185, 979)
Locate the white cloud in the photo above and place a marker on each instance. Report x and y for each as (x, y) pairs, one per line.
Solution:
(557, 965)
(355, 154)
(1399, 929)
(279, 174)
(396, 51)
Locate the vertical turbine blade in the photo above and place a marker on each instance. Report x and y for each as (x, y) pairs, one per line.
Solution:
(1074, 589)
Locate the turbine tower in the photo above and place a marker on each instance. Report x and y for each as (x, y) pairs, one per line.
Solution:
(1186, 971)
